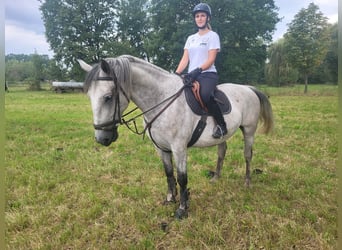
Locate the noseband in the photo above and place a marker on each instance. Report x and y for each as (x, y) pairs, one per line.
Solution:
(111, 125)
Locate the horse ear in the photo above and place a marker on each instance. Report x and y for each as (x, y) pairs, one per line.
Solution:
(86, 67)
(105, 66)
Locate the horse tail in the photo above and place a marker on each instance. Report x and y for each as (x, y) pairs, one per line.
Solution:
(266, 113)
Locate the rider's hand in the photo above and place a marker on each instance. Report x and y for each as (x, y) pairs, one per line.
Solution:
(192, 75)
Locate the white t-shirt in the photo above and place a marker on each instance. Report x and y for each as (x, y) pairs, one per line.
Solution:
(198, 47)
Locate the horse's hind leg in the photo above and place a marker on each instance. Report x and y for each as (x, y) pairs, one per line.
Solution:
(248, 152)
(171, 180)
(221, 153)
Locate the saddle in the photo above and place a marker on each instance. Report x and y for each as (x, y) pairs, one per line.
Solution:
(194, 100)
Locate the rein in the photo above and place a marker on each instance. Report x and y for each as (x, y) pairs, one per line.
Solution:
(171, 99)
(108, 126)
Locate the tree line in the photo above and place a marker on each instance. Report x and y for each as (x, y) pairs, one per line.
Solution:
(308, 51)
(156, 30)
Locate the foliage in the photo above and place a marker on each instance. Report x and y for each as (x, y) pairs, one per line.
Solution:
(307, 40)
(18, 70)
(31, 68)
(245, 28)
(157, 30)
(78, 29)
(38, 65)
(133, 26)
(171, 23)
(278, 70)
(64, 191)
(56, 72)
(327, 72)
(18, 57)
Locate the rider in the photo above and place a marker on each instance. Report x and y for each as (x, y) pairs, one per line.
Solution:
(200, 52)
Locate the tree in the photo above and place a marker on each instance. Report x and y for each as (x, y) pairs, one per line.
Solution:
(171, 22)
(30, 68)
(307, 41)
(39, 63)
(78, 29)
(17, 57)
(157, 30)
(277, 70)
(56, 72)
(17, 71)
(244, 27)
(331, 59)
(133, 25)
(326, 72)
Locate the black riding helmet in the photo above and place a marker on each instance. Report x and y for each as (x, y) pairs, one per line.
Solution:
(202, 7)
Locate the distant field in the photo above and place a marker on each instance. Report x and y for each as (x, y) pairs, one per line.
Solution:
(65, 191)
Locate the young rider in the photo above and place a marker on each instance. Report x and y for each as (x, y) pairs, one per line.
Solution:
(200, 52)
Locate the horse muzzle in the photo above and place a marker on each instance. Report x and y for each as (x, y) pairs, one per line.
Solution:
(106, 133)
(106, 137)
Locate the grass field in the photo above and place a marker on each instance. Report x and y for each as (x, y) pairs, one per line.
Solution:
(65, 191)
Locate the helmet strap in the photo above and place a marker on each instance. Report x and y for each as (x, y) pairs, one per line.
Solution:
(203, 27)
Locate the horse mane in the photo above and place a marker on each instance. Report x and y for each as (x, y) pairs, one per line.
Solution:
(147, 64)
(121, 67)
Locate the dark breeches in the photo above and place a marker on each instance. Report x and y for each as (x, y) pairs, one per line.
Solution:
(208, 82)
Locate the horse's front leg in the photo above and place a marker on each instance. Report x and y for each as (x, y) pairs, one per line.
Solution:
(182, 179)
(171, 180)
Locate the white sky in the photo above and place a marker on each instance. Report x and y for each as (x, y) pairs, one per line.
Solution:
(24, 28)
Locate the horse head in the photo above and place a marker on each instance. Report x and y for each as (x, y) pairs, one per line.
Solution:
(108, 98)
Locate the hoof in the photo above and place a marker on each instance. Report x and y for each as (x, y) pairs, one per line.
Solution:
(211, 174)
(164, 226)
(171, 202)
(248, 183)
(214, 179)
(170, 199)
(181, 214)
(257, 171)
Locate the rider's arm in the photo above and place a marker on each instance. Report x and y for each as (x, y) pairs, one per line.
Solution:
(211, 59)
(183, 62)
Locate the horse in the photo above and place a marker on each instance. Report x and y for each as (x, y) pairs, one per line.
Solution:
(113, 82)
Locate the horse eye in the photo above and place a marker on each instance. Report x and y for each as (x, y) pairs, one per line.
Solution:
(108, 98)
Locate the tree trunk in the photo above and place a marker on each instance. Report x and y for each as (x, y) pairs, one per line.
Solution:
(306, 83)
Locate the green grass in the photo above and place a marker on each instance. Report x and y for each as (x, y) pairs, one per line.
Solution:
(65, 191)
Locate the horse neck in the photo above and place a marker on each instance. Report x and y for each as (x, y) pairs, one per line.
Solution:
(151, 85)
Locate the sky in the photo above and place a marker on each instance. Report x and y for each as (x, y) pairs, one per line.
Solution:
(24, 28)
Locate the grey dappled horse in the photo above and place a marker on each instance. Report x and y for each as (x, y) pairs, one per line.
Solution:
(114, 82)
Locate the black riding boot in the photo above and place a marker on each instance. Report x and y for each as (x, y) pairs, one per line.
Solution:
(215, 111)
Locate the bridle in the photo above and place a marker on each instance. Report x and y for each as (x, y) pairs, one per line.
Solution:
(111, 125)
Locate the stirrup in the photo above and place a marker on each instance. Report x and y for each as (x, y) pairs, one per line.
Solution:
(220, 132)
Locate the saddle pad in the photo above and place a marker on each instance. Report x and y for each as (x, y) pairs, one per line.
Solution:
(221, 99)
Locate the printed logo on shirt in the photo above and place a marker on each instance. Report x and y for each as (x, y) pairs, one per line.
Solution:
(204, 41)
